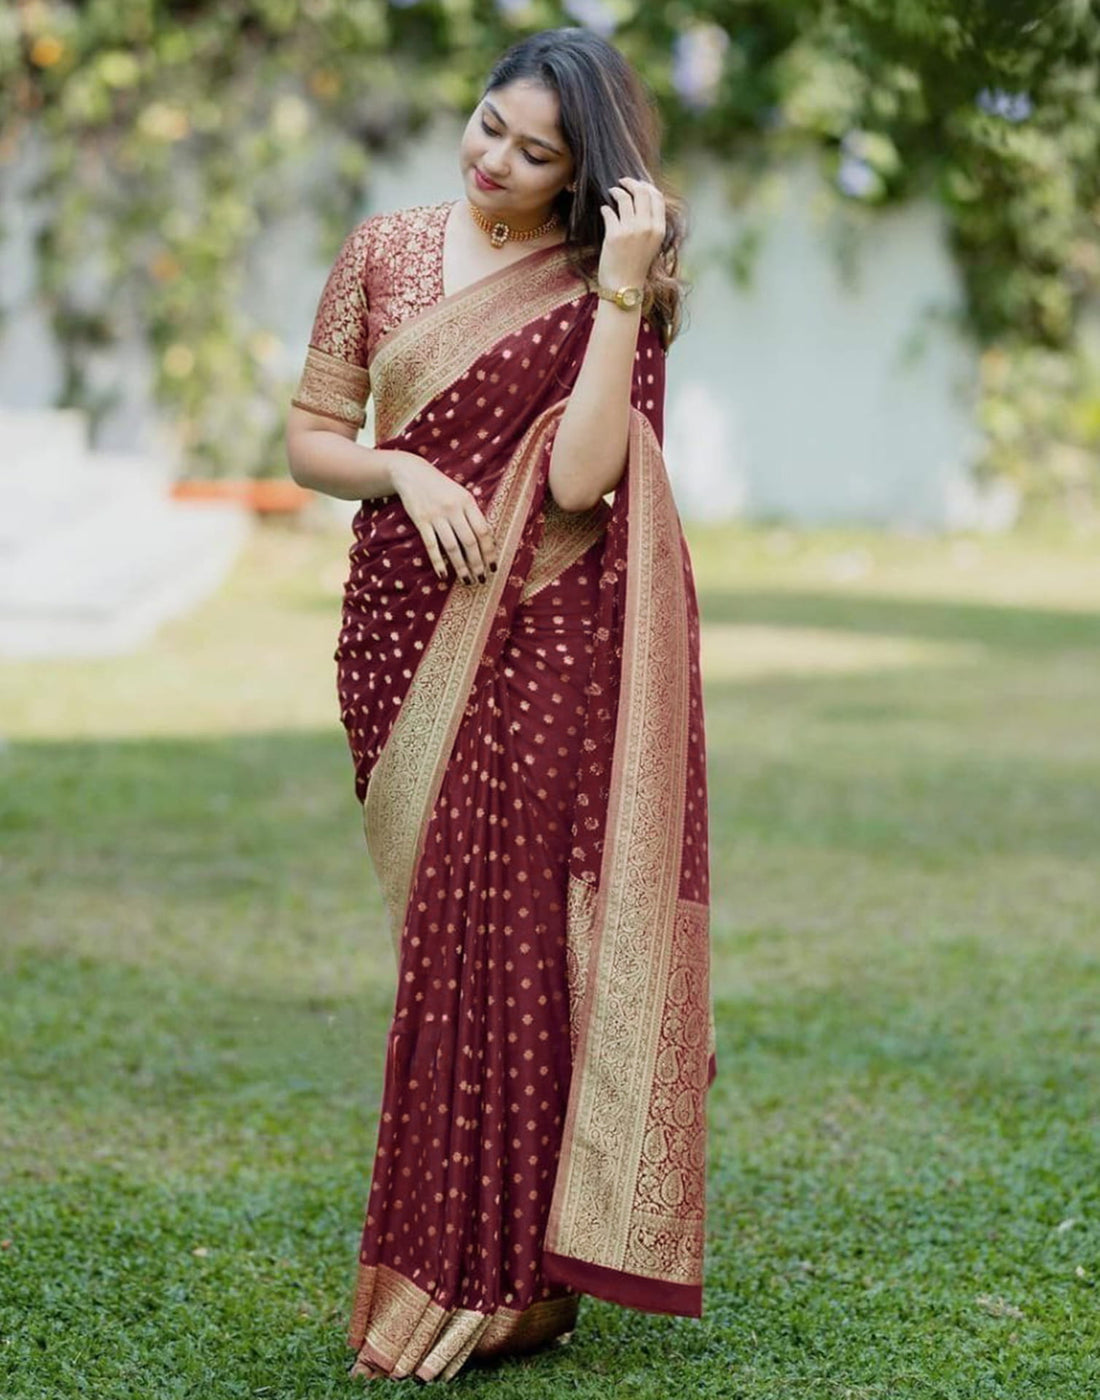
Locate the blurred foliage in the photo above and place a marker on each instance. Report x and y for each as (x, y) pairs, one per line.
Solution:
(174, 129)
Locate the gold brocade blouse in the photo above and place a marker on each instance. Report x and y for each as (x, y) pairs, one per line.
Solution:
(389, 267)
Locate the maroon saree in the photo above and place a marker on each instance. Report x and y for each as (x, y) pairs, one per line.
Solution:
(530, 756)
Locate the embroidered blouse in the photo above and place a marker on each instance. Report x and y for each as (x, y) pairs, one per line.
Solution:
(389, 267)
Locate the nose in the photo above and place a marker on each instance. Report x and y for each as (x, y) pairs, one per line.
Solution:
(495, 160)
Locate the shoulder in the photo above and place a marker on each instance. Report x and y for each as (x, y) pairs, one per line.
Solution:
(380, 243)
(411, 221)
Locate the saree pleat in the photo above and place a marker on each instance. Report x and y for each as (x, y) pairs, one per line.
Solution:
(529, 752)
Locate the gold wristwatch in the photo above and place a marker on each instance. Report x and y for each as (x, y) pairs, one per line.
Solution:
(626, 298)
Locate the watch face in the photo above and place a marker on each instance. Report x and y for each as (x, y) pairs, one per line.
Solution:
(629, 297)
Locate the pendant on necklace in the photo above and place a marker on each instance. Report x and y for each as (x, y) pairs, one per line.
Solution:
(498, 234)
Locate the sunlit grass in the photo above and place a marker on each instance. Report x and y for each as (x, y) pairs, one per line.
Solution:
(904, 1196)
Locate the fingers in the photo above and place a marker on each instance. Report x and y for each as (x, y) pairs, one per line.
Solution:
(624, 202)
(471, 548)
(634, 230)
(453, 549)
(435, 554)
(448, 520)
(468, 543)
(486, 544)
(648, 201)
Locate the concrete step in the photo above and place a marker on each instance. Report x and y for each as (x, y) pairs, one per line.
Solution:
(103, 581)
(51, 440)
(94, 552)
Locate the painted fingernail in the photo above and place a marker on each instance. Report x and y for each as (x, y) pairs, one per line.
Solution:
(492, 568)
(467, 580)
(481, 578)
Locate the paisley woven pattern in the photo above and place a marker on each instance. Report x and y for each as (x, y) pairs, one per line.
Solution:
(667, 1233)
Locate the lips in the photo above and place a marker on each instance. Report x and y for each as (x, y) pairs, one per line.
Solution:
(483, 181)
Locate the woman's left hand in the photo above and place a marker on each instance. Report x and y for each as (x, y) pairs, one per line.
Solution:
(633, 233)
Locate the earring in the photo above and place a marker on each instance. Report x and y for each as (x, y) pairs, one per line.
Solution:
(572, 188)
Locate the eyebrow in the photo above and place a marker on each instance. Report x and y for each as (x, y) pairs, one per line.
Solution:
(526, 140)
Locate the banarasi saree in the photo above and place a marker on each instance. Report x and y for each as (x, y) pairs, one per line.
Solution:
(530, 755)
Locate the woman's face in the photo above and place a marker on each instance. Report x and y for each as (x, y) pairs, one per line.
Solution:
(513, 159)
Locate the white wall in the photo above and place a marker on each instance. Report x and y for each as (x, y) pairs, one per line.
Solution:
(798, 396)
(835, 400)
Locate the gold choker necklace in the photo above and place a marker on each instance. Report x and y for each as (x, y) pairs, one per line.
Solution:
(499, 232)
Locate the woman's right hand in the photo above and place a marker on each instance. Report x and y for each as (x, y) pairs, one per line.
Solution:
(447, 516)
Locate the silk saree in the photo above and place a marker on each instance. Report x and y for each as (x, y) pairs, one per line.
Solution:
(530, 756)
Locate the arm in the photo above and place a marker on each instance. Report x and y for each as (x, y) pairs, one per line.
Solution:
(323, 454)
(590, 445)
(326, 415)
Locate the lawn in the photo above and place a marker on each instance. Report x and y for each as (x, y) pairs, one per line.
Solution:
(904, 1195)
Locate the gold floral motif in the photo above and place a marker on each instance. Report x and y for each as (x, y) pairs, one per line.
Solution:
(580, 909)
(399, 1327)
(404, 271)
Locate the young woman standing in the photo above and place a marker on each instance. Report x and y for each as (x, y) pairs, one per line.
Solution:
(518, 676)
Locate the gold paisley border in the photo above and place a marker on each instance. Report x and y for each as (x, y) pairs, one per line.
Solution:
(419, 358)
(611, 1206)
(580, 910)
(399, 1327)
(407, 777)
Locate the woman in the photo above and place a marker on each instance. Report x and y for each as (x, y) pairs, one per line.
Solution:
(518, 677)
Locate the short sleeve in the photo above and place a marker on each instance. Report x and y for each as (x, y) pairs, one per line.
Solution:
(334, 381)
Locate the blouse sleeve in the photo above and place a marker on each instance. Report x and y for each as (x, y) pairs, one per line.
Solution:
(334, 381)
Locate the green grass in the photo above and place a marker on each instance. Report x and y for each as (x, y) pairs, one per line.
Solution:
(905, 1131)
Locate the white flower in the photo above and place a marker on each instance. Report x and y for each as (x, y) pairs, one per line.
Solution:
(1010, 106)
(698, 58)
(856, 178)
(596, 15)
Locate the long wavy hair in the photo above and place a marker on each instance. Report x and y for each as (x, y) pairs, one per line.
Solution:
(609, 122)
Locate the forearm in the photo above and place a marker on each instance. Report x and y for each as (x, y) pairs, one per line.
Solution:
(331, 463)
(590, 446)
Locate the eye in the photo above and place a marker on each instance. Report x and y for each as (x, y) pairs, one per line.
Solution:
(489, 130)
(533, 160)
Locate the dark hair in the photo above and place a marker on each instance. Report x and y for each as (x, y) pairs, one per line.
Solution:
(609, 122)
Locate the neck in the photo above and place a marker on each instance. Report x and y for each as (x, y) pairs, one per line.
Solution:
(518, 223)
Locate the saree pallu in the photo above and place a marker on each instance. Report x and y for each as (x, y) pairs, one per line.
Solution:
(530, 755)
